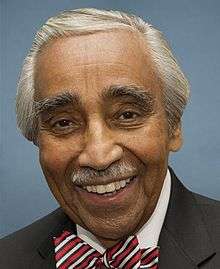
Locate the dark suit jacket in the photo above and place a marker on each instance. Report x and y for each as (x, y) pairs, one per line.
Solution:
(190, 237)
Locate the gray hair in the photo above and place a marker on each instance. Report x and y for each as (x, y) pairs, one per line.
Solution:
(85, 21)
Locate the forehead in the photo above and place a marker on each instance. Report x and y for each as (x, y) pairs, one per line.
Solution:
(93, 62)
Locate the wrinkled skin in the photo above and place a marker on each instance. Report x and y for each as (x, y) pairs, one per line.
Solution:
(88, 135)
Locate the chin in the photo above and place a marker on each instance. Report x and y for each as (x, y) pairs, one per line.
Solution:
(115, 228)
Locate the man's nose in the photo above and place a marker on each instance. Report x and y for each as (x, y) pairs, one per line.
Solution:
(100, 148)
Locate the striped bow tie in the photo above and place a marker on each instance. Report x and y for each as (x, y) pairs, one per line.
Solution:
(72, 252)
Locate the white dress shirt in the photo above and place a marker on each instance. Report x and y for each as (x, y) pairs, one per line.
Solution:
(149, 234)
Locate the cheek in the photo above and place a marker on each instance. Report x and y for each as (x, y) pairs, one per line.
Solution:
(52, 161)
(149, 145)
(55, 156)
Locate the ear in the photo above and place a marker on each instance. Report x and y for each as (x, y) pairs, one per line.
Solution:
(176, 139)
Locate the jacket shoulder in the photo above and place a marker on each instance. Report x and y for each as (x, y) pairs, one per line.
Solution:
(203, 200)
(24, 242)
(210, 210)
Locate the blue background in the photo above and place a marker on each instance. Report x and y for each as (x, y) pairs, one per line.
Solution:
(192, 27)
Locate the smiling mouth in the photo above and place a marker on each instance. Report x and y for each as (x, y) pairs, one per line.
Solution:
(110, 188)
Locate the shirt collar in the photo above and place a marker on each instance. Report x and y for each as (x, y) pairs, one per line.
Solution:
(149, 234)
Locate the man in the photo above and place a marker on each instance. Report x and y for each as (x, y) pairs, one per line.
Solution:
(102, 96)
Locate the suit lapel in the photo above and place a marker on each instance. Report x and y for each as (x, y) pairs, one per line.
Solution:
(46, 248)
(184, 240)
(171, 255)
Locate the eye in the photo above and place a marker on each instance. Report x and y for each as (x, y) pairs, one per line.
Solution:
(64, 126)
(62, 123)
(128, 115)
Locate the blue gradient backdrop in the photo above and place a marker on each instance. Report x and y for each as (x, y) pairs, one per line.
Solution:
(192, 27)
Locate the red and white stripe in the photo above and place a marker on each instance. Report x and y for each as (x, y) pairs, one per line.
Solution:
(72, 252)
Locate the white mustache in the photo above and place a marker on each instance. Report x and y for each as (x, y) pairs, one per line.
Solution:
(87, 176)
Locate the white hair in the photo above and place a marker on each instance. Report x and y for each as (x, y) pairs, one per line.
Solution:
(85, 21)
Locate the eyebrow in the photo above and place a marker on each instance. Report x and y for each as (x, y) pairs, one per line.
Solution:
(141, 96)
(55, 102)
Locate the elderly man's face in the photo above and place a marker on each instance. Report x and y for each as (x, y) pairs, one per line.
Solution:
(103, 134)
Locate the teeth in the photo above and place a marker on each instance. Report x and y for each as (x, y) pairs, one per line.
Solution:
(122, 183)
(109, 188)
(117, 185)
(94, 189)
(100, 188)
(89, 189)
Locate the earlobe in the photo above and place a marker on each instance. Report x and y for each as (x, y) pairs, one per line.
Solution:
(176, 139)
